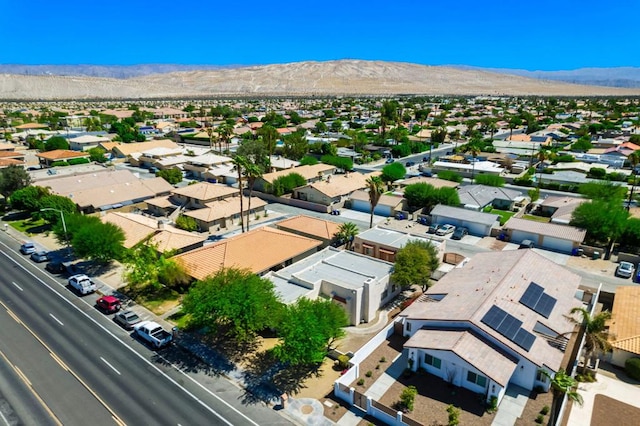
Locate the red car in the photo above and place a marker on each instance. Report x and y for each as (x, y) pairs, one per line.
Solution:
(108, 304)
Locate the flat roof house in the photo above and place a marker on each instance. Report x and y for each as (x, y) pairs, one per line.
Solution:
(494, 322)
(383, 243)
(358, 283)
(259, 251)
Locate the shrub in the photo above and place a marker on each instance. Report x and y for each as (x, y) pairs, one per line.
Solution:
(378, 367)
(632, 368)
(286, 184)
(539, 419)
(172, 176)
(61, 163)
(187, 223)
(408, 397)
(383, 359)
(340, 162)
(454, 415)
(361, 382)
(489, 180)
(493, 404)
(343, 361)
(369, 373)
(74, 161)
(449, 175)
(545, 410)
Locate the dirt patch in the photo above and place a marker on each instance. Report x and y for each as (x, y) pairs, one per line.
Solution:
(596, 266)
(534, 407)
(608, 411)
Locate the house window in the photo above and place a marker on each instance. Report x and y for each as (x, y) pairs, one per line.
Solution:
(477, 379)
(394, 287)
(432, 361)
(541, 377)
(408, 326)
(385, 294)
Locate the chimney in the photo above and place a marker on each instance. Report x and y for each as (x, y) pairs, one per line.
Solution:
(161, 225)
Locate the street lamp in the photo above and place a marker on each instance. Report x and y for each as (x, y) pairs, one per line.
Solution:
(64, 225)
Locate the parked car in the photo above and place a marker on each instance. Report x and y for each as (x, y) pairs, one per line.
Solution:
(426, 173)
(445, 229)
(39, 256)
(108, 304)
(410, 163)
(525, 244)
(127, 319)
(27, 247)
(625, 270)
(82, 284)
(55, 267)
(153, 333)
(637, 277)
(459, 233)
(433, 228)
(389, 160)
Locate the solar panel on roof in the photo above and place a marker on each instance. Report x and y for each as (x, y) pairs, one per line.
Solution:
(494, 317)
(509, 327)
(524, 339)
(532, 295)
(545, 305)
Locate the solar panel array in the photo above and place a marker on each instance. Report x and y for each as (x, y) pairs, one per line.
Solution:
(537, 300)
(509, 326)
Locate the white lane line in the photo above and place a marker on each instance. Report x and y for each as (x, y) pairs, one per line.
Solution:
(110, 366)
(19, 288)
(57, 320)
(4, 419)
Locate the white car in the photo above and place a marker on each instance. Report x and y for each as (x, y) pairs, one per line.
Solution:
(625, 270)
(82, 284)
(445, 229)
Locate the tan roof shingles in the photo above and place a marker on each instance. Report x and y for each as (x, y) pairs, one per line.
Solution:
(340, 184)
(258, 251)
(624, 326)
(122, 192)
(307, 172)
(127, 149)
(205, 191)
(61, 154)
(564, 232)
(320, 228)
(136, 227)
(224, 208)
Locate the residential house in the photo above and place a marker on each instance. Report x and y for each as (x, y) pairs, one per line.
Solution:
(358, 283)
(311, 227)
(311, 173)
(333, 190)
(496, 321)
(549, 236)
(387, 205)
(433, 181)
(86, 142)
(624, 326)
(166, 238)
(383, 243)
(477, 223)
(135, 149)
(223, 213)
(477, 197)
(278, 162)
(198, 195)
(259, 251)
(211, 167)
(559, 209)
(47, 158)
(468, 169)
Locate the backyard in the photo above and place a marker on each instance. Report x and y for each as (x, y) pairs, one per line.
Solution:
(504, 214)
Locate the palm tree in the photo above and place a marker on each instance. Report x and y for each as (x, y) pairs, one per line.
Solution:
(269, 138)
(240, 162)
(474, 150)
(375, 185)
(561, 384)
(210, 133)
(634, 159)
(347, 232)
(542, 156)
(251, 172)
(596, 335)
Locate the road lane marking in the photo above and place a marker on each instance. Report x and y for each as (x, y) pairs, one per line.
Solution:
(15, 318)
(57, 320)
(33, 391)
(19, 288)
(59, 361)
(110, 366)
(129, 348)
(6, 421)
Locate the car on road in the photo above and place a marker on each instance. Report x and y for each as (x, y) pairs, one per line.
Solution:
(410, 163)
(433, 228)
(108, 304)
(625, 270)
(127, 319)
(389, 160)
(55, 267)
(445, 230)
(28, 247)
(39, 256)
(459, 233)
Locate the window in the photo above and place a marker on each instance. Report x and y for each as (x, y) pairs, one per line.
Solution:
(385, 294)
(477, 379)
(432, 361)
(408, 326)
(394, 287)
(541, 377)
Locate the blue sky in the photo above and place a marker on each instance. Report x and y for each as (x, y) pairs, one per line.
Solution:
(537, 35)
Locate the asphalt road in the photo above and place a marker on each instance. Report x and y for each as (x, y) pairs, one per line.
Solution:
(95, 370)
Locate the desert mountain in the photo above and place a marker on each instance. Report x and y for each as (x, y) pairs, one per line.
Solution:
(345, 77)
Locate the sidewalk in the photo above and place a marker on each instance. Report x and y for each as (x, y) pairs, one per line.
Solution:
(304, 411)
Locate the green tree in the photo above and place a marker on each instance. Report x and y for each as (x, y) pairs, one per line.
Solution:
(295, 146)
(347, 232)
(449, 175)
(252, 172)
(439, 135)
(414, 264)
(392, 172)
(256, 152)
(490, 180)
(343, 163)
(286, 184)
(97, 154)
(561, 384)
(408, 397)
(233, 301)
(239, 163)
(321, 127)
(308, 331)
(28, 198)
(308, 160)
(375, 187)
(92, 239)
(173, 175)
(269, 136)
(634, 159)
(186, 223)
(56, 142)
(603, 191)
(596, 334)
(604, 221)
(13, 178)
(388, 115)
(58, 203)
(474, 150)
(583, 144)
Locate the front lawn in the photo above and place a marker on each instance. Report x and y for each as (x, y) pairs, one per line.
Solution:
(535, 218)
(30, 226)
(504, 214)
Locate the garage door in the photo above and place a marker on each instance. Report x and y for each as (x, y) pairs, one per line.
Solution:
(519, 236)
(556, 244)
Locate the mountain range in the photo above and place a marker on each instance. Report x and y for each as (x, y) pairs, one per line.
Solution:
(331, 78)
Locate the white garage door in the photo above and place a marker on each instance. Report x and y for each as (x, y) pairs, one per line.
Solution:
(556, 244)
(519, 236)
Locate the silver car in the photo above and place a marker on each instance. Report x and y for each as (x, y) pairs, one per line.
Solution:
(625, 270)
(445, 229)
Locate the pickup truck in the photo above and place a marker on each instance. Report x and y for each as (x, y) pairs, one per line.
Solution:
(82, 284)
(152, 333)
